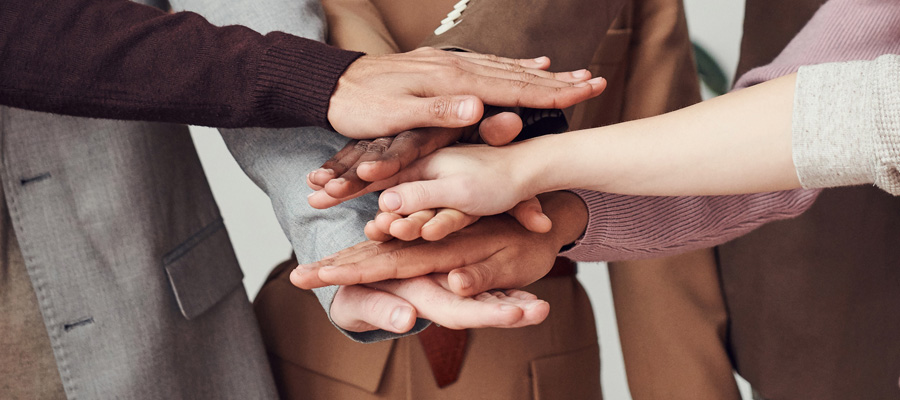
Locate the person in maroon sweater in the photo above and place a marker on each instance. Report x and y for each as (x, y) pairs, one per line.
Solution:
(120, 60)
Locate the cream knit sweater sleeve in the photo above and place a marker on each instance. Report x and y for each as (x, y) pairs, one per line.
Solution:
(846, 124)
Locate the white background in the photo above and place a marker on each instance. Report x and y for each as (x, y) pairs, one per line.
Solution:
(260, 244)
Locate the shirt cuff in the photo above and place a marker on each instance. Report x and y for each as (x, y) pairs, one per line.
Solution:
(832, 125)
(295, 80)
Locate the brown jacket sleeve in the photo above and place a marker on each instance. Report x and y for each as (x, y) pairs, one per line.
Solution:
(121, 60)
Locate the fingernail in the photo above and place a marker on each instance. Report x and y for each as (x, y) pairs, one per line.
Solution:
(391, 200)
(400, 316)
(531, 304)
(541, 59)
(330, 267)
(596, 81)
(367, 163)
(310, 195)
(581, 73)
(507, 307)
(582, 84)
(339, 181)
(466, 110)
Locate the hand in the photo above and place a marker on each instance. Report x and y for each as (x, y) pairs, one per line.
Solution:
(434, 225)
(383, 95)
(394, 306)
(495, 252)
(476, 180)
(362, 162)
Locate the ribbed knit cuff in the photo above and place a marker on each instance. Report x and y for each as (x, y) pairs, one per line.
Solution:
(295, 80)
(833, 126)
(624, 227)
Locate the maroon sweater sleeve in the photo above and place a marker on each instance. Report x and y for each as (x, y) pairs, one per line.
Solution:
(122, 60)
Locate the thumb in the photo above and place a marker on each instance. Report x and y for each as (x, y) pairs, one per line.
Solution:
(407, 198)
(480, 277)
(359, 308)
(440, 111)
(500, 129)
(530, 214)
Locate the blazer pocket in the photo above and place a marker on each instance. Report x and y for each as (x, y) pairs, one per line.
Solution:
(570, 375)
(203, 269)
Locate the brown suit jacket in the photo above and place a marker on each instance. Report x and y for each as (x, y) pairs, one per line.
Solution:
(646, 58)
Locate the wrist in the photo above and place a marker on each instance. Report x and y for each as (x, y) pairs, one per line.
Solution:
(569, 214)
(532, 166)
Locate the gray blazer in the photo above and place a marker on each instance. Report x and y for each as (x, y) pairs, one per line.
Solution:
(133, 269)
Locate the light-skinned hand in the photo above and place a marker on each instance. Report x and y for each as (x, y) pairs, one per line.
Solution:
(382, 95)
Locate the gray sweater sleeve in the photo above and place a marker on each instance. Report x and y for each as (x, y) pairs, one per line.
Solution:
(277, 160)
(846, 124)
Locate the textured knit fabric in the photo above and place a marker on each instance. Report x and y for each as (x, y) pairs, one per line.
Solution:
(121, 60)
(633, 227)
(626, 227)
(846, 121)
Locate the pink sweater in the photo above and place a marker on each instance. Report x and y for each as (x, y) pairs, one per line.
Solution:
(631, 227)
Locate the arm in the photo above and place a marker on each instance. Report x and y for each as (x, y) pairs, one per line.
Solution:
(123, 60)
(118, 59)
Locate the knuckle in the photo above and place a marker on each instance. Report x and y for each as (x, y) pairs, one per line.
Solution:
(521, 84)
(378, 145)
(361, 145)
(441, 108)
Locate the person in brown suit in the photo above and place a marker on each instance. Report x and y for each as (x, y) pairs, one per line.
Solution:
(646, 59)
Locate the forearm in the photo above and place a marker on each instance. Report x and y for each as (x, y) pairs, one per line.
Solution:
(122, 60)
(737, 143)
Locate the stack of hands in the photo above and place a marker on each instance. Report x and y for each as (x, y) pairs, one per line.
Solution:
(475, 251)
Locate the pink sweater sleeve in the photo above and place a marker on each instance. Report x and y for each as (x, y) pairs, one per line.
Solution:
(629, 227)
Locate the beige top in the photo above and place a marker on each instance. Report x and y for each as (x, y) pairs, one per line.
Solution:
(27, 367)
(846, 124)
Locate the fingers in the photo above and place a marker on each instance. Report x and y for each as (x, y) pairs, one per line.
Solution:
(446, 111)
(407, 198)
(336, 165)
(495, 309)
(445, 222)
(382, 95)
(348, 182)
(430, 225)
(531, 216)
(540, 63)
(372, 262)
(569, 77)
(518, 89)
(410, 228)
(320, 199)
(360, 309)
(406, 148)
(489, 274)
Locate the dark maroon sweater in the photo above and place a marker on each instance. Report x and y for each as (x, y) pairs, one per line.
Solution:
(122, 60)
